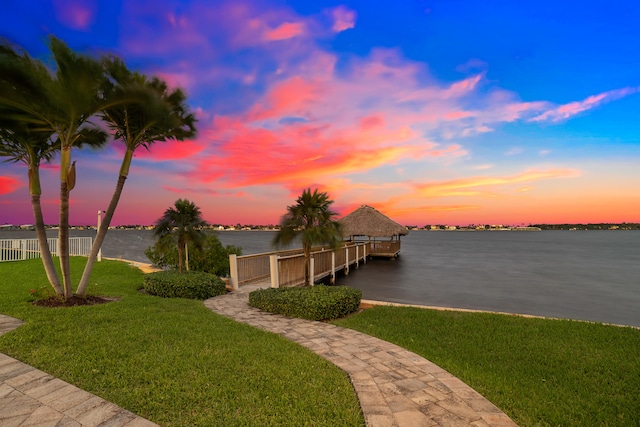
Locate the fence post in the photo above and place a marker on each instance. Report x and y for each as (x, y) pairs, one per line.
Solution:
(233, 271)
(312, 273)
(357, 256)
(273, 267)
(346, 262)
(333, 267)
(23, 245)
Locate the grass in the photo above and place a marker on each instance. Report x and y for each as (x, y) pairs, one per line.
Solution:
(540, 372)
(172, 361)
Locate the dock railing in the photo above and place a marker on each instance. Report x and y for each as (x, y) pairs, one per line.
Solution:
(22, 249)
(385, 247)
(286, 268)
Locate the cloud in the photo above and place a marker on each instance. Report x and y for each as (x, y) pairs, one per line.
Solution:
(284, 31)
(76, 14)
(343, 19)
(9, 184)
(566, 111)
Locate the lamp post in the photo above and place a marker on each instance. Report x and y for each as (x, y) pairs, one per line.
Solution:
(97, 232)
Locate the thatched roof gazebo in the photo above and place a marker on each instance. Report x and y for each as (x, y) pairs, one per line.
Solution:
(369, 223)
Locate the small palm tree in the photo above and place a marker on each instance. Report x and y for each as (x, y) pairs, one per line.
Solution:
(180, 225)
(311, 219)
(141, 112)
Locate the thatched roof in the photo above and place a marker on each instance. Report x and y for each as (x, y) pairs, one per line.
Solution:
(367, 221)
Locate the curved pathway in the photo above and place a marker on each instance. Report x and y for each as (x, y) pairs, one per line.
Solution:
(395, 386)
(30, 397)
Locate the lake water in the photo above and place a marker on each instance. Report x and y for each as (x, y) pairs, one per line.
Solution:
(587, 275)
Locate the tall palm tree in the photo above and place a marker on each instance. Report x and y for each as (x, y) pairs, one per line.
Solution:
(77, 96)
(180, 225)
(27, 134)
(59, 103)
(28, 147)
(311, 219)
(147, 112)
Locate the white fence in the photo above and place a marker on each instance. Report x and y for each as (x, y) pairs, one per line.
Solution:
(21, 249)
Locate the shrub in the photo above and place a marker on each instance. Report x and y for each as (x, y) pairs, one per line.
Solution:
(191, 284)
(313, 303)
(212, 258)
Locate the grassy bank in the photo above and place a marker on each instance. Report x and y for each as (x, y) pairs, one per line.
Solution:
(540, 372)
(171, 360)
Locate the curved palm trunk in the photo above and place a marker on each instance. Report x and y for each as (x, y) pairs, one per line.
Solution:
(45, 252)
(102, 232)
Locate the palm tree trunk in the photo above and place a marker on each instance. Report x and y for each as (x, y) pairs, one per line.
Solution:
(180, 255)
(102, 232)
(63, 240)
(63, 225)
(45, 252)
(186, 256)
(307, 265)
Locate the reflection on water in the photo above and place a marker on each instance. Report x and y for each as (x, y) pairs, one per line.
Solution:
(589, 275)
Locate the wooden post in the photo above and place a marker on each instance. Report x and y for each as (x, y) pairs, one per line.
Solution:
(357, 257)
(233, 270)
(346, 264)
(312, 264)
(273, 267)
(364, 250)
(333, 268)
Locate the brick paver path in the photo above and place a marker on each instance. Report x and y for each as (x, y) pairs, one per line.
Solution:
(395, 386)
(30, 397)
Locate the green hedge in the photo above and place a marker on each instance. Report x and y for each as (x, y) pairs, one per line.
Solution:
(313, 303)
(190, 284)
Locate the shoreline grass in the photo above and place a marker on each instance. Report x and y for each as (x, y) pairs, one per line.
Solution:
(172, 361)
(540, 372)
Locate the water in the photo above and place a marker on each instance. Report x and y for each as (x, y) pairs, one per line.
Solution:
(587, 275)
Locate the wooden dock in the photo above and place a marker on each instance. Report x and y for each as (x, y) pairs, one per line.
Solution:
(286, 268)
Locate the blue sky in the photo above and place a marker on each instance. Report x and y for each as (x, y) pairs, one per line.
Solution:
(448, 112)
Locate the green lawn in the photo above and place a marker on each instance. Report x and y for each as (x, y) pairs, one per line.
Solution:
(540, 372)
(171, 360)
(178, 364)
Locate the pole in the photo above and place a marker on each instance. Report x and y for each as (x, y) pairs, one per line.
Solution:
(98, 232)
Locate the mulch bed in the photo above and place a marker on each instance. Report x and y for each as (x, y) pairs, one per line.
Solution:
(73, 301)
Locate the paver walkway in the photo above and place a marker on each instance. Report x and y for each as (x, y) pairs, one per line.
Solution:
(30, 397)
(395, 386)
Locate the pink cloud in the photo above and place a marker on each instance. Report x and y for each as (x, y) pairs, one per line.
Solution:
(566, 111)
(76, 14)
(286, 30)
(9, 184)
(343, 19)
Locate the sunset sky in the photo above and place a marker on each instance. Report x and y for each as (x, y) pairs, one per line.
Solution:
(434, 112)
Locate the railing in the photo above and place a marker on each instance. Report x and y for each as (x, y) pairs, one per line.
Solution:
(385, 247)
(287, 268)
(22, 249)
(252, 268)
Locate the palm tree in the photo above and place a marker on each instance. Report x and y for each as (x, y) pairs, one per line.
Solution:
(180, 225)
(27, 135)
(312, 219)
(60, 104)
(147, 112)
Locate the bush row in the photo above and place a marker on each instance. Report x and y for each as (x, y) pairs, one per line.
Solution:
(313, 303)
(190, 284)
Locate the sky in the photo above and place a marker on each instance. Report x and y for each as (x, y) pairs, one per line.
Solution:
(434, 112)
